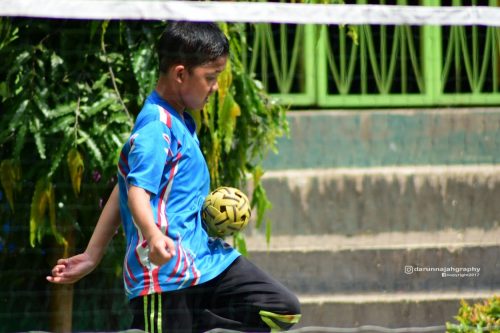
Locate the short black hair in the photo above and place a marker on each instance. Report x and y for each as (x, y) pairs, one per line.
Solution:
(190, 44)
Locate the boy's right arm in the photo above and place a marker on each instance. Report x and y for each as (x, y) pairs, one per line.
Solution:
(70, 270)
(161, 247)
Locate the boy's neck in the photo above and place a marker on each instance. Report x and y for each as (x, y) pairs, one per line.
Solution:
(168, 93)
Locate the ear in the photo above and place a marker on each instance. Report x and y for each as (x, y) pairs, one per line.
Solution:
(179, 73)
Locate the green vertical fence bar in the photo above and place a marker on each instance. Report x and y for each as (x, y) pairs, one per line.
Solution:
(431, 62)
(322, 78)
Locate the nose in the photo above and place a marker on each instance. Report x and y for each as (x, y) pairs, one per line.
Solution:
(215, 86)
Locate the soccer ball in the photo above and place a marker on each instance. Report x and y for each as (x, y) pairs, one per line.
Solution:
(226, 211)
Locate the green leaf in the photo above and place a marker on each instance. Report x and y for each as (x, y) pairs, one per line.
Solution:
(63, 124)
(88, 112)
(240, 244)
(4, 91)
(143, 66)
(268, 231)
(20, 60)
(40, 144)
(58, 156)
(100, 84)
(55, 60)
(117, 140)
(93, 148)
(14, 123)
(62, 109)
(41, 105)
(119, 118)
(114, 58)
(19, 142)
(8, 34)
(36, 130)
(452, 328)
(260, 201)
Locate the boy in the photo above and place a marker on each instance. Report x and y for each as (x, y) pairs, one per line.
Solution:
(176, 277)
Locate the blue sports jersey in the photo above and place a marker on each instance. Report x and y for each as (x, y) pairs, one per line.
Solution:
(163, 157)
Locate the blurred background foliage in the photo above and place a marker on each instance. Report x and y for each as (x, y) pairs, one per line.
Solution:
(69, 94)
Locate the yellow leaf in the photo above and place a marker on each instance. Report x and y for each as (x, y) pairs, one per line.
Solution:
(44, 203)
(213, 160)
(235, 110)
(208, 112)
(75, 165)
(10, 176)
(224, 82)
(38, 207)
(227, 121)
(51, 201)
(257, 174)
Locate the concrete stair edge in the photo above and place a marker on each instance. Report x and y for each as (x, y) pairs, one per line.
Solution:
(375, 311)
(448, 238)
(376, 297)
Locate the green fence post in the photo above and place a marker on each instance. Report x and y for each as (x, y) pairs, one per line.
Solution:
(321, 68)
(432, 59)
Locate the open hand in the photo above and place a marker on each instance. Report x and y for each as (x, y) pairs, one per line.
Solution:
(72, 269)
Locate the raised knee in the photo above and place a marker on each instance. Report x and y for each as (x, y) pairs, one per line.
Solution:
(293, 305)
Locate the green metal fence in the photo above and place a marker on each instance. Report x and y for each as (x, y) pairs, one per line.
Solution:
(333, 66)
(282, 57)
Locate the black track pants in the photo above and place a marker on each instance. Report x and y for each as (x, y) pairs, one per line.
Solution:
(242, 298)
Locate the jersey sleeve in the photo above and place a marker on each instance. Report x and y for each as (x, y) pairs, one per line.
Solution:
(149, 147)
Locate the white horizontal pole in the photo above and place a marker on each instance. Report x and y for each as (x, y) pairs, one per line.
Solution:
(251, 12)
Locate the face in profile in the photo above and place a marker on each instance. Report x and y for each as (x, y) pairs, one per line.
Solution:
(200, 82)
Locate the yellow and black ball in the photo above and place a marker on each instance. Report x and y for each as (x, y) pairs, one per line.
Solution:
(226, 211)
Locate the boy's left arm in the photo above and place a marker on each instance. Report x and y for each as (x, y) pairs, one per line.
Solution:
(72, 269)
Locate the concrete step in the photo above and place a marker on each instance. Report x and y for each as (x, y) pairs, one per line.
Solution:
(365, 138)
(353, 201)
(409, 310)
(390, 263)
(371, 207)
